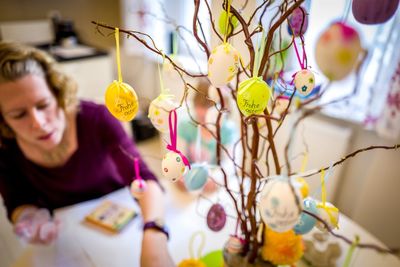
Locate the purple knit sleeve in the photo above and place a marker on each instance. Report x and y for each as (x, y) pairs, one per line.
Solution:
(115, 139)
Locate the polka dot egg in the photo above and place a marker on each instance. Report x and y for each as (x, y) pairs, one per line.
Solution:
(223, 64)
(304, 81)
(172, 166)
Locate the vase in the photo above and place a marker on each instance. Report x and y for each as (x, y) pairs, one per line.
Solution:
(237, 260)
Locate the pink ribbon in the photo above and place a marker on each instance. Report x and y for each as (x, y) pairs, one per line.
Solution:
(394, 100)
(302, 62)
(173, 131)
(137, 173)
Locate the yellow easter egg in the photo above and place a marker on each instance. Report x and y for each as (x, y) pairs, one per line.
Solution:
(337, 51)
(121, 100)
(253, 96)
(223, 64)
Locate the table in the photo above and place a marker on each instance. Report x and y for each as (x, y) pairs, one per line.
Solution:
(79, 245)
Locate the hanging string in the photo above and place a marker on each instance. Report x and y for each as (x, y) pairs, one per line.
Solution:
(228, 13)
(163, 90)
(329, 209)
(118, 55)
(304, 163)
(350, 252)
(302, 60)
(201, 246)
(259, 53)
(174, 44)
(173, 132)
(198, 144)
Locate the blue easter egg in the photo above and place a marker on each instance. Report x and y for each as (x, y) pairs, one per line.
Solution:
(306, 222)
(197, 177)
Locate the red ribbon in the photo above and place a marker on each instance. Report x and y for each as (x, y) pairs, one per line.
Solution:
(173, 131)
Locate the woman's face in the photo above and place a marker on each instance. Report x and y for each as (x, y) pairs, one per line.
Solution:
(32, 112)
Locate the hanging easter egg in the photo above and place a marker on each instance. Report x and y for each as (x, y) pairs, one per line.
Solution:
(253, 96)
(330, 214)
(303, 186)
(216, 217)
(196, 177)
(307, 222)
(138, 187)
(121, 100)
(227, 29)
(337, 51)
(278, 207)
(304, 81)
(235, 244)
(172, 166)
(298, 21)
(374, 11)
(159, 111)
(281, 104)
(223, 64)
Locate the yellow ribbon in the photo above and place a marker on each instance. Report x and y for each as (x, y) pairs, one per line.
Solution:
(118, 55)
(228, 13)
(328, 209)
(202, 243)
(351, 251)
(304, 163)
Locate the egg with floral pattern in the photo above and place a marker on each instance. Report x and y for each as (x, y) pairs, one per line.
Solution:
(304, 81)
(159, 111)
(172, 166)
(223, 64)
(298, 21)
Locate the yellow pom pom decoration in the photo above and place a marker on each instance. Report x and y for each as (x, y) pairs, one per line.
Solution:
(122, 101)
(282, 248)
(191, 263)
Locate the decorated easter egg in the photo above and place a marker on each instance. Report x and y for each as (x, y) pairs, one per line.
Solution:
(374, 11)
(235, 244)
(303, 186)
(223, 64)
(172, 166)
(216, 217)
(337, 51)
(253, 96)
(138, 187)
(222, 23)
(307, 222)
(304, 81)
(196, 177)
(330, 214)
(298, 21)
(159, 111)
(121, 100)
(278, 207)
(281, 104)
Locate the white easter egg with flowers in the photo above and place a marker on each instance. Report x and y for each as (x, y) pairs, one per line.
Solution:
(159, 112)
(172, 166)
(223, 64)
(278, 207)
(304, 81)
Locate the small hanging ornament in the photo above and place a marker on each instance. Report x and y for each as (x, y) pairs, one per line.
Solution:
(374, 11)
(120, 98)
(304, 81)
(297, 25)
(174, 163)
(197, 177)
(253, 96)
(235, 244)
(138, 186)
(337, 51)
(223, 64)
(278, 207)
(307, 222)
(216, 217)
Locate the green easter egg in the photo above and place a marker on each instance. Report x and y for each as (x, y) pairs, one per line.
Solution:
(222, 23)
(253, 96)
(213, 259)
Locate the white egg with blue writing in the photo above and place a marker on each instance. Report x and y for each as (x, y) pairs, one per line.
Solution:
(278, 206)
(304, 81)
(307, 222)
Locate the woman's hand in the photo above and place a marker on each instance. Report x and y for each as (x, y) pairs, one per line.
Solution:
(36, 226)
(154, 250)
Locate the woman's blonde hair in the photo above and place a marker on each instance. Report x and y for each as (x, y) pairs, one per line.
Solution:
(17, 61)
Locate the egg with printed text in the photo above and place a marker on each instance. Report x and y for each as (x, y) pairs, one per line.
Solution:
(330, 215)
(138, 187)
(277, 205)
(307, 222)
(223, 64)
(172, 166)
(121, 100)
(304, 81)
(253, 96)
(159, 112)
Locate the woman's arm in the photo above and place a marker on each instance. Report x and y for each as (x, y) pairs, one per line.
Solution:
(154, 243)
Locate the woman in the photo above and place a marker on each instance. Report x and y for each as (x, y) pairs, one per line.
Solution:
(56, 151)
